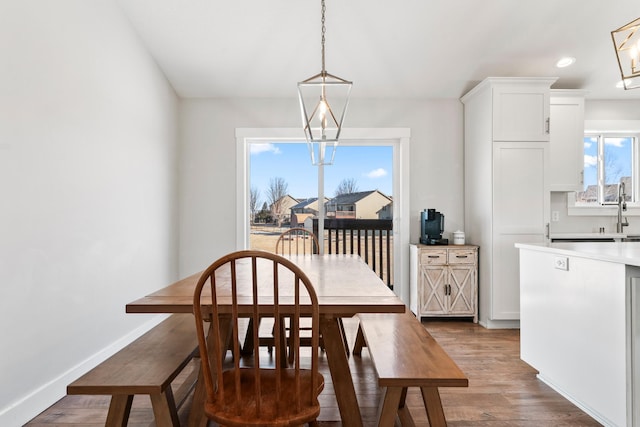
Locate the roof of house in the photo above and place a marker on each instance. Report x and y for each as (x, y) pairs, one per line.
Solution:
(350, 198)
(305, 202)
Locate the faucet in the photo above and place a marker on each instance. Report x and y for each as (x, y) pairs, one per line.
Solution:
(622, 206)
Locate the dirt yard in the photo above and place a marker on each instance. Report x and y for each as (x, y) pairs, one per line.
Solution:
(264, 237)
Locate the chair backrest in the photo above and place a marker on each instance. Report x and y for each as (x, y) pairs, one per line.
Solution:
(254, 284)
(297, 241)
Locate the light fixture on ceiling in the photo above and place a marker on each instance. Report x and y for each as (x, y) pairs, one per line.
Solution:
(565, 62)
(626, 41)
(323, 103)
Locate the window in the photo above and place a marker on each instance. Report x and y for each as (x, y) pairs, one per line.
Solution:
(398, 138)
(609, 159)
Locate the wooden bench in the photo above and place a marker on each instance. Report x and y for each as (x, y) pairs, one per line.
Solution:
(146, 366)
(406, 355)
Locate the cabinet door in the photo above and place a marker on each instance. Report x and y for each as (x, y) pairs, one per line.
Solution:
(462, 280)
(521, 112)
(432, 292)
(566, 154)
(520, 213)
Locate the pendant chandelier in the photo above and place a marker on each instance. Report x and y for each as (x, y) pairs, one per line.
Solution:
(323, 104)
(626, 40)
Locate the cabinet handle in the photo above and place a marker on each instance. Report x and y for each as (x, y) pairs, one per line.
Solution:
(461, 256)
(548, 125)
(433, 256)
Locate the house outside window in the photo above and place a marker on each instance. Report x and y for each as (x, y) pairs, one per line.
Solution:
(609, 159)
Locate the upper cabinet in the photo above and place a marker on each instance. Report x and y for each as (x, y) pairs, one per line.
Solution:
(521, 109)
(567, 140)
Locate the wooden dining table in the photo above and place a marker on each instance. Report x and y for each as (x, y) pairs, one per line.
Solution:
(345, 286)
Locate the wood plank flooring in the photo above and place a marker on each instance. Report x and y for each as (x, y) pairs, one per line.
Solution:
(503, 391)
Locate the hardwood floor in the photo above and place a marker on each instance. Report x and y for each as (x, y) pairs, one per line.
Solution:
(503, 391)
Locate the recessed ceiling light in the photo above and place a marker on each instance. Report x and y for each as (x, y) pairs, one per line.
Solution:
(565, 62)
(620, 84)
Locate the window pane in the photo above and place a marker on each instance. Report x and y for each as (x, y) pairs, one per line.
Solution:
(590, 193)
(617, 166)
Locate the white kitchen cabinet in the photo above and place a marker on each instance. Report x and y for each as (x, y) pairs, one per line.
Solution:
(447, 281)
(567, 140)
(506, 185)
(521, 111)
(579, 326)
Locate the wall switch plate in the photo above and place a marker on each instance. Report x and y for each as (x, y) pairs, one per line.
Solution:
(555, 216)
(562, 263)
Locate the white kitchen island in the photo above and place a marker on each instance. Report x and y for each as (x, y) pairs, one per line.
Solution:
(579, 324)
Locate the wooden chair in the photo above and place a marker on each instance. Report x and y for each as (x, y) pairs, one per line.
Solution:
(297, 241)
(278, 395)
(300, 241)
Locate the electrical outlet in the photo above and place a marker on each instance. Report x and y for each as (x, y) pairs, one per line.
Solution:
(555, 216)
(562, 263)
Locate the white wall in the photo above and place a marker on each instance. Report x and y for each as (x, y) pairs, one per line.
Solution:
(208, 162)
(596, 110)
(88, 218)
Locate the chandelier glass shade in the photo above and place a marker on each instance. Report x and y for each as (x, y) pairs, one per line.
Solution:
(323, 104)
(626, 40)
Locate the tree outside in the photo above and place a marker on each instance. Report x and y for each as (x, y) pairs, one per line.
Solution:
(347, 186)
(276, 193)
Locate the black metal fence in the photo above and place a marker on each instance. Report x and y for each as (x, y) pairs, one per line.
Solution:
(372, 239)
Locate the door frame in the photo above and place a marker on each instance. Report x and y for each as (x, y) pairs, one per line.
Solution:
(398, 138)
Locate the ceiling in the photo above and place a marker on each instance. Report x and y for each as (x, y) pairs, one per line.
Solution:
(389, 49)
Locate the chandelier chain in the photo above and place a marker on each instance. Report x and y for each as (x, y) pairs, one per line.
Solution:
(324, 29)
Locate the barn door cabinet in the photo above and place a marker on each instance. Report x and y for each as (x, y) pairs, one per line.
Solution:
(506, 149)
(446, 281)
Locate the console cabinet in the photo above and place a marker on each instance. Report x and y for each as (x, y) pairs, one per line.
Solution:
(446, 281)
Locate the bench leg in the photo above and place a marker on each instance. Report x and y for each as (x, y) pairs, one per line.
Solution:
(406, 420)
(247, 347)
(164, 409)
(360, 342)
(389, 408)
(433, 405)
(119, 410)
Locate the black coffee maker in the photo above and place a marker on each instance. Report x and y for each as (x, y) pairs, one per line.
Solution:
(432, 227)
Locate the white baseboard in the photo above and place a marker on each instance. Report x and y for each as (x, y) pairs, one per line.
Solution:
(28, 407)
(584, 407)
(500, 324)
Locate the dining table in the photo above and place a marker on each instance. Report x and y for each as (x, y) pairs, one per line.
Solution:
(345, 286)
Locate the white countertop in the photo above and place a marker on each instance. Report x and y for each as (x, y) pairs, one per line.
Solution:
(588, 235)
(619, 252)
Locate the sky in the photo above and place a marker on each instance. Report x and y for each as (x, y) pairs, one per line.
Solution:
(369, 166)
(618, 153)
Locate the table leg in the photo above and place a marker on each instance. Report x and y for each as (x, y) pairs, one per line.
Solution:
(340, 374)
